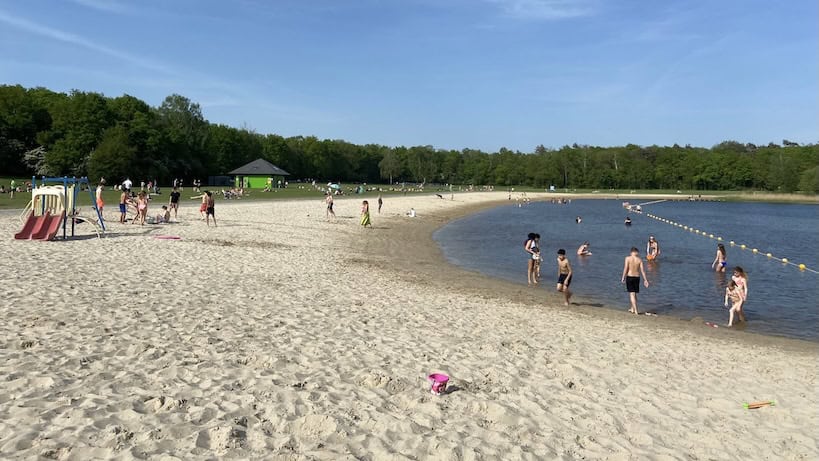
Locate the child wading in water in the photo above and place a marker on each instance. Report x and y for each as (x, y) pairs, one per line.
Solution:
(365, 214)
(564, 275)
(734, 293)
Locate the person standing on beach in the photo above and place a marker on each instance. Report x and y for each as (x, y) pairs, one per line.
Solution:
(328, 199)
(12, 188)
(564, 275)
(652, 248)
(721, 259)
(100, 201)
(528, 247)
(632, 270)
(209, 210)
(124, 196)
(365, 214)
(380, 203)
(173, 202)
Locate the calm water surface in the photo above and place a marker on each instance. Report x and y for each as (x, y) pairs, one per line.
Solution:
(782, 299)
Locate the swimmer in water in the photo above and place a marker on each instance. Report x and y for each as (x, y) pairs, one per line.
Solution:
(627, 221)
(652, 248)
(583, 250)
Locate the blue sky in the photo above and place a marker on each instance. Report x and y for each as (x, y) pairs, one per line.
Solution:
(450, 73)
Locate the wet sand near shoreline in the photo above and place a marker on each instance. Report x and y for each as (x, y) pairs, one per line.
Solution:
(279, 335)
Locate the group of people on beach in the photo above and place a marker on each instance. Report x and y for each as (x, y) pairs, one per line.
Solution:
(139, 204)
(365, 220)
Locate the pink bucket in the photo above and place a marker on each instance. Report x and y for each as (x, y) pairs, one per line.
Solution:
(438, 383)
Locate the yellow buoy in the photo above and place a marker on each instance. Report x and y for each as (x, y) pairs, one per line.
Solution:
(719, 239)
(732, 243)
(769, 255)
(742, 246)
(785, 260)
(755, 250)
(711, 235)
(802, 267)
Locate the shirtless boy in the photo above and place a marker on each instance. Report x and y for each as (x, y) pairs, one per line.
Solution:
(564, 275)
(632, 270)
(124, 197)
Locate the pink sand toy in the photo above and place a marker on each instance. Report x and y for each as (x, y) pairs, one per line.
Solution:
(438, 382)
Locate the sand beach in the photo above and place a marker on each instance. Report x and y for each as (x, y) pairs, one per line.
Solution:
(280, 335)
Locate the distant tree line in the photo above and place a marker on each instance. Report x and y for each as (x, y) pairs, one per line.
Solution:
(44, 132)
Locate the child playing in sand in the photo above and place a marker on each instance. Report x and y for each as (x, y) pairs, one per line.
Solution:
(734, 293)
(365, 214)
(564, 275)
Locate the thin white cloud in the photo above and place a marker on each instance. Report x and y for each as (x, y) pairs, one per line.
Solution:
(73, 39)
(545, 9)
(108, 6)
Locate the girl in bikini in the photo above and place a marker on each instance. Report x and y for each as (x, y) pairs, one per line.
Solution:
(721, 259)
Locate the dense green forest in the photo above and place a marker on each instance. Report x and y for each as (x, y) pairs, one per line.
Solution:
(80, 133)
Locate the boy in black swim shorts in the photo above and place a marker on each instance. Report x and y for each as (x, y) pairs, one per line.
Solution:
(564, 275)
(632, 269)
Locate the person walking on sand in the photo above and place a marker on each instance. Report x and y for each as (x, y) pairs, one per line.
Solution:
(529, 247)
(98, 197)
(12, 188)
(365, 214)
(173, 201)
(328, 199)
(632, 270)
(652, 248)
(721, 259)
(203, 207)
(209, 210)
(380, 203)
(734, 293)
(564, 275)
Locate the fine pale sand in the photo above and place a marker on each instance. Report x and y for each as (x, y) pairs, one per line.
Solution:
(279, 335)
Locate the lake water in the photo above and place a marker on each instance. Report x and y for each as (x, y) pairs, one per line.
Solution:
(782, 300)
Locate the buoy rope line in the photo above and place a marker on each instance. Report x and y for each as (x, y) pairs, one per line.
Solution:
(801, 267)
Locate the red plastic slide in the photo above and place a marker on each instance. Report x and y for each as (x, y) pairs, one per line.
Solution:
(50, 228)
(28, 227)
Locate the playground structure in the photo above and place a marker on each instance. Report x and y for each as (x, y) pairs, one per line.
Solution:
(52, 207)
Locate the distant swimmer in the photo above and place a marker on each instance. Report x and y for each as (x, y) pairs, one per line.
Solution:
(627, 221)
(578, 220)
(632, 270)
(721, 259)
(652, 248)
(583, 250)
